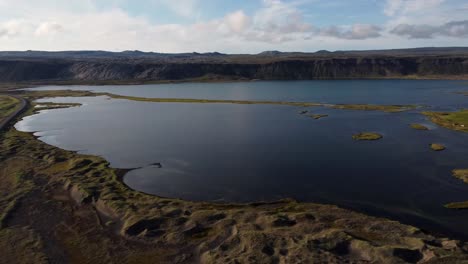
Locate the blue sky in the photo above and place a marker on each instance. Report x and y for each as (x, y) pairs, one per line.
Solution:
(242, 26)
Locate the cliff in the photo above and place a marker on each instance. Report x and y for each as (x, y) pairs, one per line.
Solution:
(264, 66)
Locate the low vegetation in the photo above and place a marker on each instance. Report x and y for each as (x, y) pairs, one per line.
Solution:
(317, 116)
(367, 136)
(362, 107)
(451, 120)
(49, 105)
(437, 147)
(369, 107)
(7, 105)
(461, 174)
(419, 127)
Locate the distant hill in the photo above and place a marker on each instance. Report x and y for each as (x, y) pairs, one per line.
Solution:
(90, 54)
(138, 66)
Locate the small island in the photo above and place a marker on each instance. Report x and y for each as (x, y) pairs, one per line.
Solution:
(419, 127)
(437, 147)
(317, 116)
(367, 136)
(451, 120)
(370, 107)
(461, 174)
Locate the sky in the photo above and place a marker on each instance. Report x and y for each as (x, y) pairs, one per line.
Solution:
(231, 26)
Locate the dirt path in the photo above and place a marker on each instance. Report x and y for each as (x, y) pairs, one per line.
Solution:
(19, 110)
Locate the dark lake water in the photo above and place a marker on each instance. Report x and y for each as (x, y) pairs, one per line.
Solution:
(232, 152)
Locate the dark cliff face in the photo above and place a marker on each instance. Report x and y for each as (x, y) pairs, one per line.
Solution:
(14, 70)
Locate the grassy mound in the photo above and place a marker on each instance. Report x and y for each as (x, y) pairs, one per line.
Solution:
(367, 136)
(451, 120)
(419, 127)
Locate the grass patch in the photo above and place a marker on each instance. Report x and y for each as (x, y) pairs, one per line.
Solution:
(437, 147)
(363, 107)
(451, 120)
(367, 136)
(461, 174)
(7, 105)
(210, 101)
(317, 116)
(21, 245)
(369, 107)
(419, 127)
(457, 205)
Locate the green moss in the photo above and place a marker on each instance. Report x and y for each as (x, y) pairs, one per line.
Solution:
(437, 147)
(457, 205)
(451, 120)
(21, 245)
(367, 136)
(419, 127)
(8, 105)
(317, 116)
(369, 107)
(363, 107)
(209, 101)
(461, 174)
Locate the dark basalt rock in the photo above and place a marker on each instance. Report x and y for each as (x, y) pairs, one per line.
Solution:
(259, 67)
(408, 255)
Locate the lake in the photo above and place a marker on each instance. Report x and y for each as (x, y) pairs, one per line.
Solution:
(243, 153)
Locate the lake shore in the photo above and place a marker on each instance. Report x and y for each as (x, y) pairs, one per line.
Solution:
(5, 86)
(87, 194)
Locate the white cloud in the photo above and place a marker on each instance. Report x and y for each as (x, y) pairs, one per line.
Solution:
(13, 28)
(456, 29)
(48, 28)
(280, 17)
(277, 24)
(237, 21)
(357, 31)
(395, 7)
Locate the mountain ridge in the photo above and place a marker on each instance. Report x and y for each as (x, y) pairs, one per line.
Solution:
(102, 66)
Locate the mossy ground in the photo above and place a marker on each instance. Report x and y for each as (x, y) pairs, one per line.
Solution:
(317, 116)
(437, 147)
(367, 136)
(369, 107)
(419, 127)
(362, 107)
(73, 208)
(461, 174)
(451, 120)
(7, 105)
